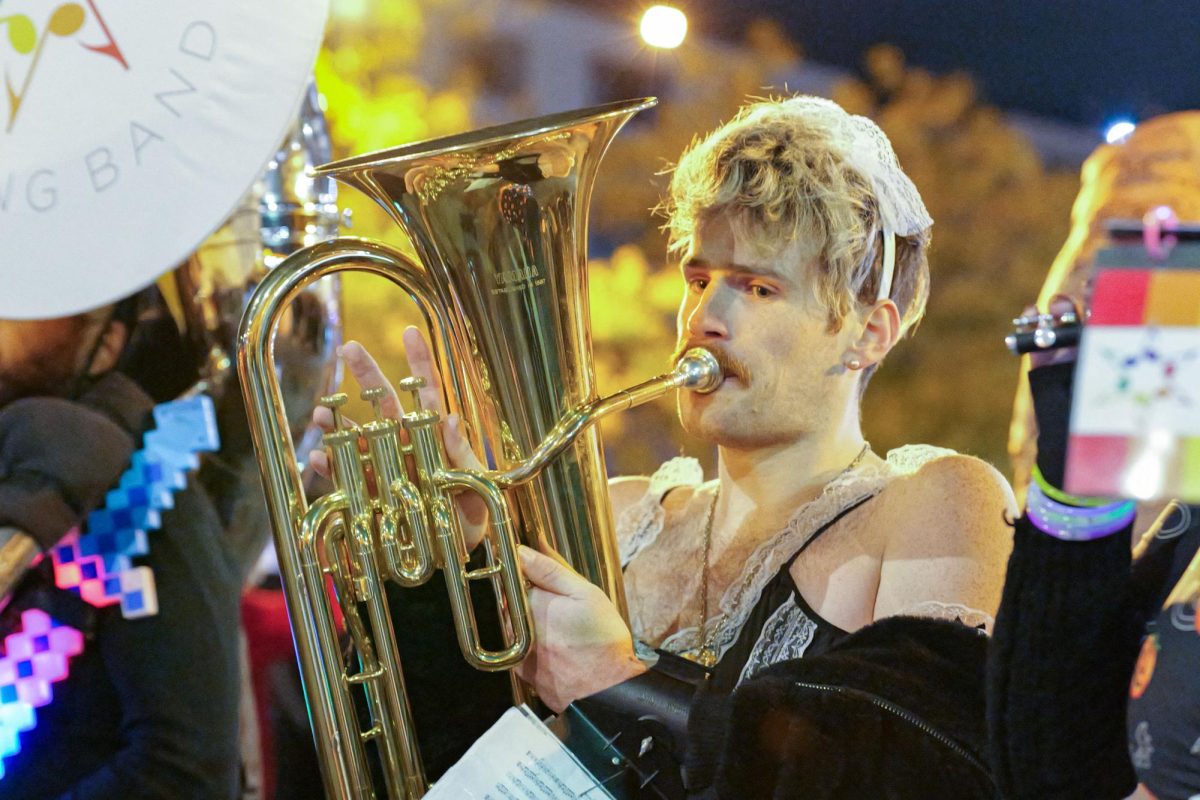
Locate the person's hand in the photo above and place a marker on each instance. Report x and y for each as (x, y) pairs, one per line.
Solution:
(58, 458)
(1060, 304)
(582, 644)
(471, 509)
(1051, 391)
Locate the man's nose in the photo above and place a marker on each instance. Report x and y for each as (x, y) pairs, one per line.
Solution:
(709, 317)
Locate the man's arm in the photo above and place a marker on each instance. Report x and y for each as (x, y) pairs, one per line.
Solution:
(948, 539)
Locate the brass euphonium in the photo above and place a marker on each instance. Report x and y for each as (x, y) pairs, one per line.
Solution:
(498, 219)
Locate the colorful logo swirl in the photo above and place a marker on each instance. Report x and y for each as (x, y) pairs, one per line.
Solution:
(27, 40)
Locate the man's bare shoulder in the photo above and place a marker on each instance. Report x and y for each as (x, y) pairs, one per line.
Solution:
(948, 536)
(626, 490)
(950, 485)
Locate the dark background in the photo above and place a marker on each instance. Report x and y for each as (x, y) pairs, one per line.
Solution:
(1083, 62)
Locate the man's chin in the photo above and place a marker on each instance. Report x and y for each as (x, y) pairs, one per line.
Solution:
(700, 419)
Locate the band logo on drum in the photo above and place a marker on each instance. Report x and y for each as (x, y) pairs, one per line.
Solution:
(27, 38)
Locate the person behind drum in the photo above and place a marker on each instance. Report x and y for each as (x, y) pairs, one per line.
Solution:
(149, 709)
(802, 246)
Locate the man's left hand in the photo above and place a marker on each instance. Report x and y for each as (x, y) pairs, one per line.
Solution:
(582, 644)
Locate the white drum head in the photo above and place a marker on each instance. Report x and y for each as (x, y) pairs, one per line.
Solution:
(129, 131)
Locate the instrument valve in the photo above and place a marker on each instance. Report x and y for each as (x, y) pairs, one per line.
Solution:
(341, 433)
(419, 416)
(375, 396)
(413, 385)
(334, 402)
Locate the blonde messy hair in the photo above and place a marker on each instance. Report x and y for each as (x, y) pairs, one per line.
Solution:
(781, 179)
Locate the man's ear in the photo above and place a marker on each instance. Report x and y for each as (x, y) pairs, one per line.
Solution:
(881, 329)
(109, 348)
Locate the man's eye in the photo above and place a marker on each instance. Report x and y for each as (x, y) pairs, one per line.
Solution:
(762, 291)
(698, 284)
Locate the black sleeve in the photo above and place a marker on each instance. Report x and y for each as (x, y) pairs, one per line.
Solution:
(176, 674)
(853, 722)
(648, 722)
(48, 482)
(1051, 388)
(1064, 645)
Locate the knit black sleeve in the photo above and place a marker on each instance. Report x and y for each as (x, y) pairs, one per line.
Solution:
(1064, 646)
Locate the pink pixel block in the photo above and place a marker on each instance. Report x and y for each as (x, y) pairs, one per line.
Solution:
(34, 657)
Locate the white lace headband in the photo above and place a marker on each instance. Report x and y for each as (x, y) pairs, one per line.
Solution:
(867, 149)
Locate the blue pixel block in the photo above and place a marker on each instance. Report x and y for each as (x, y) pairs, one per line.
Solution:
(10, 744)
(147, 469)
(121, 519)
(17, 715)
(139, 597)
(66, 553)
(188, 425)
(112, 544)
(146, 495)
(160, 448)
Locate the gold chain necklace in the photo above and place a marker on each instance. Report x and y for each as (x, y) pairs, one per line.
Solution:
(707, 655)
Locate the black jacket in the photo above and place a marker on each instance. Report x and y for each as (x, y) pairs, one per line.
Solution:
(893, 712)
(150, 708)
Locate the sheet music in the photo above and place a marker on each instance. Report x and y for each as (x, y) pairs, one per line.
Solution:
(517, 759)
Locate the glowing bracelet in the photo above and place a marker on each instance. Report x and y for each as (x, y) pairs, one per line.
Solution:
(1076, 524)
(1054, 493)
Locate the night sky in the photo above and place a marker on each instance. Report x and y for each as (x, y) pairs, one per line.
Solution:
(1084, 62)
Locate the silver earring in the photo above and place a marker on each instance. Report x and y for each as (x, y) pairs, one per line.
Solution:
(853, 363)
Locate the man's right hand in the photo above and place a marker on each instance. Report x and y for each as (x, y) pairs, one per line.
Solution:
(471, 510)
(58, 458)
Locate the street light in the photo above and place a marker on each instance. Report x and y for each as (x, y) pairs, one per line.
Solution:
(664, 27)
(1119, 131)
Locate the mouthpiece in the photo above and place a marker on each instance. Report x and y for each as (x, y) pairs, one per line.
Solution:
(699, 370)
(1044, 332)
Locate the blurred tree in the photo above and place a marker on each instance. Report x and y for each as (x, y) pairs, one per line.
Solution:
(999, 217)
(374, 100)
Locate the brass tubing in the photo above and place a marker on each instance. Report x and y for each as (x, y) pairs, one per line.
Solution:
(505, 565)
(404, 770)
(344, 772)
(18, 552)
(698, 371)
(404, 535)
(353, 780)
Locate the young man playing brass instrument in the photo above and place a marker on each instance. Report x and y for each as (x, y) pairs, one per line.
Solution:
(803, 251)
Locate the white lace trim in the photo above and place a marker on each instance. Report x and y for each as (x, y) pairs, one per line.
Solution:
(641, 522)
(953, 612)
(762, 565)
(869, 151)
(787, 634)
